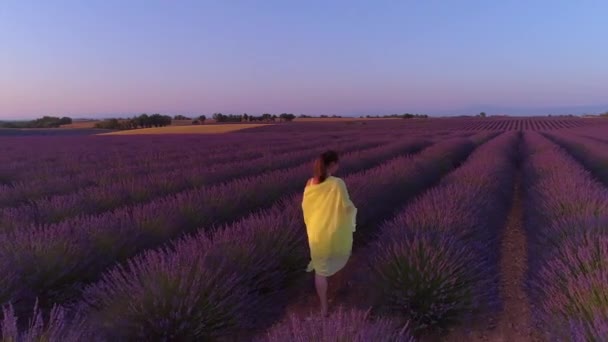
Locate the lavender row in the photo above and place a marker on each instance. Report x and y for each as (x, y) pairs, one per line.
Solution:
(177, 288)
(567, 226)
(73, 156)
(129, 191)
(352, 325)
(65, 152)
(344, 325)
(73, 210)
(56, 184)
(84, 154)
(55, 258)
(591, 153)
(436, 263)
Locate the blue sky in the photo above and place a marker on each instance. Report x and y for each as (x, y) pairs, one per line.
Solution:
(103, 58)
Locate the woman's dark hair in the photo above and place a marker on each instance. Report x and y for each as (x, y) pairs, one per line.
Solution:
(322, 163)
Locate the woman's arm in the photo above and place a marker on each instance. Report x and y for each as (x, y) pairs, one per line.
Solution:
(347, 204)
(344, 195)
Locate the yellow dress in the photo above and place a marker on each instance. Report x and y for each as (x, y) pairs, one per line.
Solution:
(330, 219)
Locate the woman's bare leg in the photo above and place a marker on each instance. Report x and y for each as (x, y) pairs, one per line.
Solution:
(321, 285)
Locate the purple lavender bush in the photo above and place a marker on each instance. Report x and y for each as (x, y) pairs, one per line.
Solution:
(573, 285)
(343, 325)
(428, 278)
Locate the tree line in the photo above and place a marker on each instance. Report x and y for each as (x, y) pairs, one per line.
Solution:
(141, 121)
(266, 117)
(44, 122)
(397, 116)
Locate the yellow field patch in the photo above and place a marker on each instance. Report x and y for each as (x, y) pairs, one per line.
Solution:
(192, 129)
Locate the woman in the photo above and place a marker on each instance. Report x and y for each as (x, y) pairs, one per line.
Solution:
(330, 219)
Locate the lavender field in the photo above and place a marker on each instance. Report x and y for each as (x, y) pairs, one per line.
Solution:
(468, 229)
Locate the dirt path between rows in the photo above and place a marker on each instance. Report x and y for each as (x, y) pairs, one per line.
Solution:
(514, 323)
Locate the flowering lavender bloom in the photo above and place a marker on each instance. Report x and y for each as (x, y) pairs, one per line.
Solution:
(435, 262)
(259, 254)
(568, 228)
(593, 154)
(8, 280)
(590, 329)
(58, 326)
(343, 325)
(573, 284)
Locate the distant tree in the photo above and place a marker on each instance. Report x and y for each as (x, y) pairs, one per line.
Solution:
(65, 120)
(133, 123)
(287, 117)
(482, 114)
(181, 117)
(158, 120)
(45, 122)
(143, 120)
(202, 119)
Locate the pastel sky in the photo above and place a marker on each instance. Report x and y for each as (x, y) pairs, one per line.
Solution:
(99, 58)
